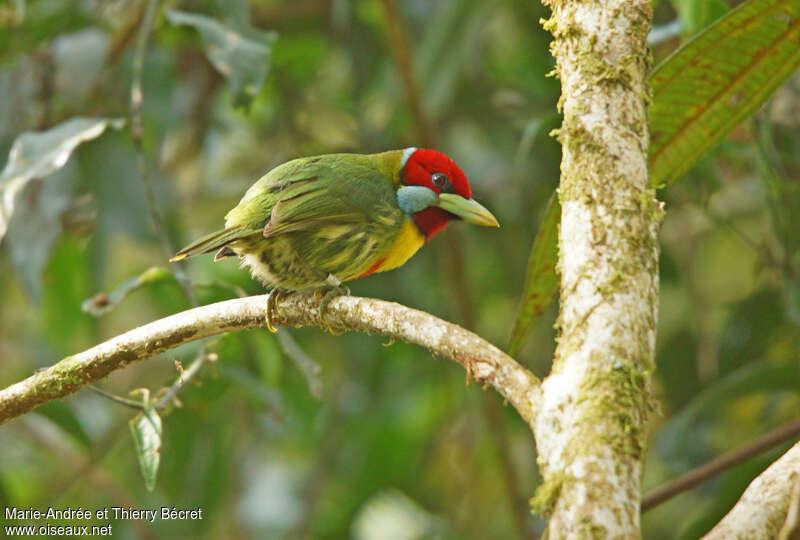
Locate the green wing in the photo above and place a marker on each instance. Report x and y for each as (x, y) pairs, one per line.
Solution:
(314, 193)
(336, 212)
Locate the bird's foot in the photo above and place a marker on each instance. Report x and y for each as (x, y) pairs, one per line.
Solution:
(325, 294)
(272, 302)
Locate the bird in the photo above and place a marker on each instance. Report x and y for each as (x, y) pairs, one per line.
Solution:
(318, 222)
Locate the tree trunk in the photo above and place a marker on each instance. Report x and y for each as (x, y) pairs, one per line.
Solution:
(590, 429)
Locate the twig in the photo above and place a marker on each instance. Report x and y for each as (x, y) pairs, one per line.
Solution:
(171, 392)
(305, 364)
(137, 129)
(779, 435)
(123, 39)
(137, 100)
(487, 364)
(133, 404)
(184, 378)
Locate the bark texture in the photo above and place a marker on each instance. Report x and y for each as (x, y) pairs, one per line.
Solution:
(484, 362)
(761, 512)
(590, 428)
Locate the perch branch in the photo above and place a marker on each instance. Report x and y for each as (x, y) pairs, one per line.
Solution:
(484, 362)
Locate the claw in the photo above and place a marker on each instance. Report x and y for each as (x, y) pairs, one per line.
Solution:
(272, 302)
(325, 299)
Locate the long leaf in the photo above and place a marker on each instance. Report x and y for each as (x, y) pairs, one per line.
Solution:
(238, 52)
(708, 86)
(541, 282)
(146, 431)
(37, 155)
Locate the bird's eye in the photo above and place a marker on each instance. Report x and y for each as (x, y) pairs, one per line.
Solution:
(441, 181)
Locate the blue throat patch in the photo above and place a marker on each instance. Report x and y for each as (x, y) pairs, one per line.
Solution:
(413, 199)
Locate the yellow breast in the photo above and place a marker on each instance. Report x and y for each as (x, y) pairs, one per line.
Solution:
(407, 243)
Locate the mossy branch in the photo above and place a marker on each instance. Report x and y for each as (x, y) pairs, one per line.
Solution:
(765, 510)
(591, 427)
(484, 362)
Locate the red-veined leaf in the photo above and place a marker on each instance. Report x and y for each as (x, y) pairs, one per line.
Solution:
(708, 86)
(541, 282)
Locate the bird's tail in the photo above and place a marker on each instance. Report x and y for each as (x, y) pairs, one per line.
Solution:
(214, 241)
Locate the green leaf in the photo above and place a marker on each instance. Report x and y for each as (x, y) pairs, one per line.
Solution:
(36, 225)
(541, 282)
(146, 431)
(102, 303)
(66, 280)
(708, 86)
(240, 53)
(37, 155)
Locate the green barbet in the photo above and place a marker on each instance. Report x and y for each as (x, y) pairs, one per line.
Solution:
(319, 221)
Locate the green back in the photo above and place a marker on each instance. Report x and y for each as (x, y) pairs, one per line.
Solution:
(310, 192)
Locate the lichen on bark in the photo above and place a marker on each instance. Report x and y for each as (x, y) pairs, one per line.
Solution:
(484, 362)
(590, 429)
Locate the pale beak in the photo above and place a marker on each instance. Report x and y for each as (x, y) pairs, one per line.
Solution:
(467, 209)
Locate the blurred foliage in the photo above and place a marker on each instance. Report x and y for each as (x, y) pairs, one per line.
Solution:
(397, 447)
